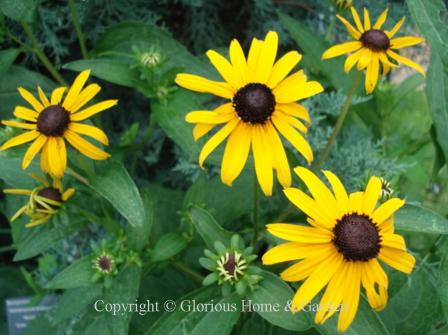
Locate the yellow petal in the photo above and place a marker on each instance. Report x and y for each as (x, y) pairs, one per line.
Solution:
(17, 191)
(291, 251)
(296, 233)
(254, 54)
(29, 97)
(381, 19)
(296, 110)
(406, 41)
(352, 30)
(62, 150)
(54, 157)
(85, 96)
(397, 27)
(239, 61)
(236, 152)
(20, 139)
(374, 286)
(297, 91)
(92, 131)
(42, 97)
(25, 113)
(208, 117)
(21, 125)
(393, 241)
(225, 69)
(85, 147)
(216, 140)
(366, 20)
(405, 61)
(262, 159)
(202, 129)
(297, 140)
(357, 19)
(56, 95)
(386, 210)
(75, 89)
(34, 148)
(339, 191)
(350, 301)
(266, 58)
(280, 160)
(372, 74)
(92, 110)
(292, 121)
(364, 59)
(371, 195)
(352, 59)
(68, 194)
(340, 49)
(398, 259)
(203, 85)
(44, 164)
(355, 201)
(282, 67)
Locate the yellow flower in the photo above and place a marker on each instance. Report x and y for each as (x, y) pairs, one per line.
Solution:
(44, 200)
(349, 234)
(50, 122)
(373, 47)
(262, 103)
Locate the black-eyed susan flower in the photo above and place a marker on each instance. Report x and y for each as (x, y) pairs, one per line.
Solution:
(350, 233)
(373, 47)
(54, 120)
(44, 201)
(262, 104)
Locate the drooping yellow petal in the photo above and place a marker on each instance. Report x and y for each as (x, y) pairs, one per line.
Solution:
(225, 69)
(386, 64)
(386, 210)
(395, 29)
(262, 159)
(44, 164)
(202, 129)
(85, 147)
(266, 58)
(68, 194)
(374, 286)
(371, 195)
(54, 157)
(296, 139)
(216, 140)
(25, 113)
(339, 191)
(235, 153)
(340, 49)
(42, 97)
(15, 124)
(381, 19)
(296, 110)
(398, 259)
(238, 61)
(406, 41)
(75, 89)
(372, 74)
(366, 20)
(317, 281)
(350, 301)
(203, 85)
(17, 191)
(33, 149)
(352, 30)
(405, 61)
(292, 121)
(364, 59)
(85, 96)
(20, 139)
(92, 110)
(62, 150)
(352, 59)
(29, 97)
(357, 19)
(92, 131)
(283, 67)
(280, 160)
(296, 233)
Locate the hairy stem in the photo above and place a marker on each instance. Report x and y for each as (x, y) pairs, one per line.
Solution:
(255, 210)
(79, 34)
(187, 270)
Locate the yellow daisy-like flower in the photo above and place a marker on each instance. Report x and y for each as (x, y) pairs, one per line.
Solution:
(349, 234)
(44, 200)
(262, 104)
(373, 47)
(50, 122)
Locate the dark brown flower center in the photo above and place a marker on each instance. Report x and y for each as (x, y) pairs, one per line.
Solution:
(230, 265)
(254, 103)
(50, 193)
(53, 121)
(104, 263)
(356, 237)
(375, 40)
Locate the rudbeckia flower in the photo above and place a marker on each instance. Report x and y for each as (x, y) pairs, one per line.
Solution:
(52, 121)
(262, 104)
(349, 235)
(372, 47)
(44, 201)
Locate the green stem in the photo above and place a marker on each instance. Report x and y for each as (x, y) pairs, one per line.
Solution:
(255, 210)
(41, 55)
(19, 42)
(77, 176)
(187, 270)
(75, 19)
(330, 28)
(339, 122)
(7, 248)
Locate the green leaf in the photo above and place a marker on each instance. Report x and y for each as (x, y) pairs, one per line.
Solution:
(13, 175)
(75, 301)
(124, 290)
(42, 240)
(429, 16)
(168, 246)
(422, 220)
(273, 291)
(139, 235)
(19, 10)
(189, 321)
(111, 70)
(7, 57)
(443, 279)
(116, 186)
(313, 47)
(78, 274)
(437, 93)
(208, 228)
